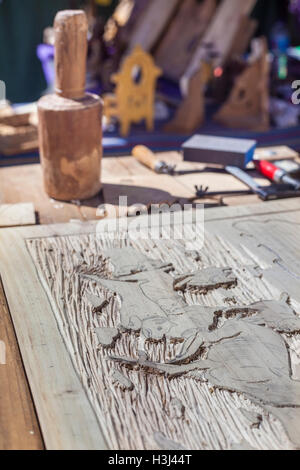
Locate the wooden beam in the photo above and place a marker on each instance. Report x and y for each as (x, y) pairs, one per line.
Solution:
(19, 429)
(183, 36)
(152, 23)
(219, 37)
(12, 215)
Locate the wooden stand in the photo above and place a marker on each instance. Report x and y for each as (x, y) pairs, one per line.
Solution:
(177, 47)
(191, 113)
(248, 103)
(70, 129)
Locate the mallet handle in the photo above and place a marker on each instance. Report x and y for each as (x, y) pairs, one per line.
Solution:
(71, 28)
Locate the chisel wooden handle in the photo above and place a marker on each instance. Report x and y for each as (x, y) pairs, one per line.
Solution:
(145, 156)
(71, 29)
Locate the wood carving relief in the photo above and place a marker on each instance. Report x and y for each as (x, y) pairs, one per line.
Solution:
(173, 351)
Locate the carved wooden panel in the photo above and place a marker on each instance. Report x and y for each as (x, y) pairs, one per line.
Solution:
(165, 344)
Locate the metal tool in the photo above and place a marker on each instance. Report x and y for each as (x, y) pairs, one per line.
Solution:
(145, 156)
(276, 174)
(265, 193)
(202, 192)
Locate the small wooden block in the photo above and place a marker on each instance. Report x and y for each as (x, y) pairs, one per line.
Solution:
(12, 215)
(281, 152)
(17, 139)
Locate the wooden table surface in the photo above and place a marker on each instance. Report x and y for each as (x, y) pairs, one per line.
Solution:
(19, 428)
(121, 176)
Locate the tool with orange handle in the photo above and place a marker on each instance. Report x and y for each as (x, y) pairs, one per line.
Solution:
(145, 156)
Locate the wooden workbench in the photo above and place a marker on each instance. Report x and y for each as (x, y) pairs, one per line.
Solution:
(121, 176)
(19, 427)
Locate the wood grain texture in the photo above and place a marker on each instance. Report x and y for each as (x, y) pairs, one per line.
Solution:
(24, 184)
(70, 29)
(21, 139)
(124, 175)
(191, 113)
(69, 122)
(64, 386)
(151, 24)
(17, 214)
(19, 429)
(179, 43)
(70, 141)
(248, 104)
(220, 34)
(72, 264)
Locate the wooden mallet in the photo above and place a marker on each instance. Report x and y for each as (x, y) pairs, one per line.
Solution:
(70, 128)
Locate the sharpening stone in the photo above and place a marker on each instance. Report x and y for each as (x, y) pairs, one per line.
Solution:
(219, 150)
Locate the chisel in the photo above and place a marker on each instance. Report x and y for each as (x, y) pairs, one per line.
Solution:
(145, 156)
(264, 193)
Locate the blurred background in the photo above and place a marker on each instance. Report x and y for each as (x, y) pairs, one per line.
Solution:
(116, 26)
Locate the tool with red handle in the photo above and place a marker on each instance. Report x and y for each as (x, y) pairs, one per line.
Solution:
(276, 174)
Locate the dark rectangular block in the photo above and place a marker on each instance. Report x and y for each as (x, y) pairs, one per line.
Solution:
(219, 150)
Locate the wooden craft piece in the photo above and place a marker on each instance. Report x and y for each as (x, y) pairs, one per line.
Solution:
(214, 49)
(249, 341)
(12, 215)
(248, 104)
(191, 112)
(20, 139)
(183, 36)
(234, 364)
(243, 37)
(218, 38)
(19, 116)
(135, 91)
(70, 127)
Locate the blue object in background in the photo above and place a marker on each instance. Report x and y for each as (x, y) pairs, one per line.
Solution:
(280, 42)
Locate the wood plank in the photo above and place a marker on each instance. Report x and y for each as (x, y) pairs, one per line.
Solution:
(278, 152)
(243, 37)
(247, 106)
(24, 184)
(220, 34)
(21, 139)
(66, 407)
(178, 45)
(19, 429)
(152, 23)
(17, 214)
(257, 413)
(19, 184)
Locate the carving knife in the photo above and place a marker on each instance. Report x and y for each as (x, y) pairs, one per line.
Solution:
(145, 156)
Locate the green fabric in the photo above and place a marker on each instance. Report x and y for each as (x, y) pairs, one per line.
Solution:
(106, 11)
(21, 30)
